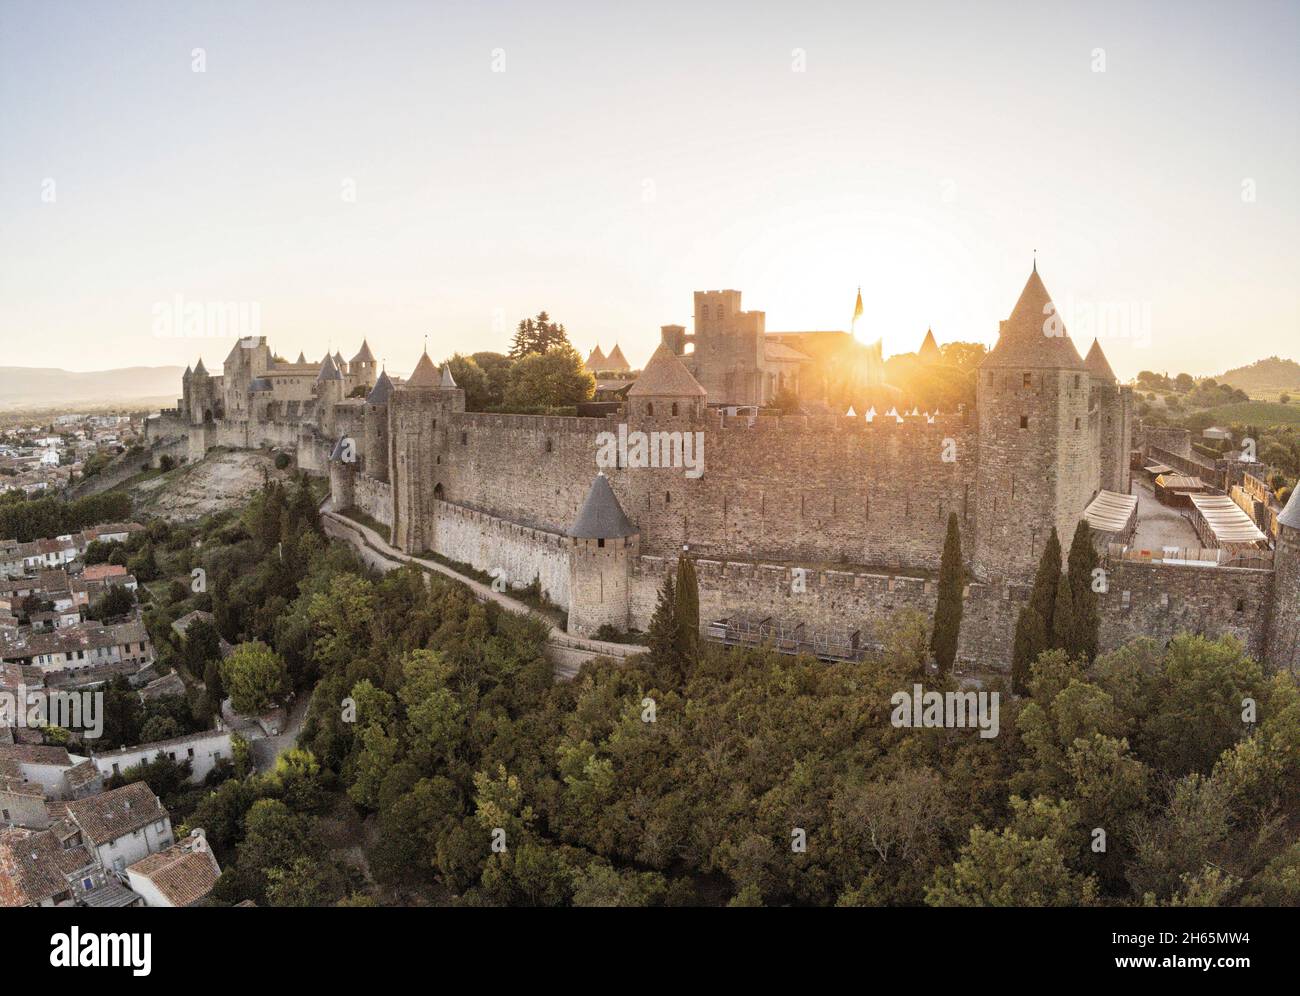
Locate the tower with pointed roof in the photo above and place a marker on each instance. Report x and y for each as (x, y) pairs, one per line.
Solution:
(374, 429)
(361, 368)
(1282, 648)
(665, 390)
(603, 544)
(330, 390)
(929, 352)
(1113, 404)
(1037, 451)
(418, 416)
(595, 360)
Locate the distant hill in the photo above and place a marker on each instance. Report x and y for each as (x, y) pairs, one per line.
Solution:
(32, 387)
(1264, 376)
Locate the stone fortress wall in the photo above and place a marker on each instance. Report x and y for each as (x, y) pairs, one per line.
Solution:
(855, 509)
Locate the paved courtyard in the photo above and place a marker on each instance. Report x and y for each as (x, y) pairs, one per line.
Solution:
(1159, 525)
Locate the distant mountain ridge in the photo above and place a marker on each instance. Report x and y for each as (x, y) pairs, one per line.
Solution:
(1271, 374)
(28, 387)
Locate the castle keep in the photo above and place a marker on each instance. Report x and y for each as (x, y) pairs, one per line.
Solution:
(823, 524)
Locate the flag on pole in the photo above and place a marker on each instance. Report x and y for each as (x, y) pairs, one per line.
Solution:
(857, 308)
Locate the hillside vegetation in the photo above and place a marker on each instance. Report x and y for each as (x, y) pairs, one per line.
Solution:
(1265, 377)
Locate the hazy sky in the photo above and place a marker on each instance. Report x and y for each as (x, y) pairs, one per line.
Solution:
(630, 154)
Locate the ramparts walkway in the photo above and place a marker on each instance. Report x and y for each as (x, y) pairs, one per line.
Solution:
(567, 652)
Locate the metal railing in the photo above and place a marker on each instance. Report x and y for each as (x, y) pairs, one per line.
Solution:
(793, 639)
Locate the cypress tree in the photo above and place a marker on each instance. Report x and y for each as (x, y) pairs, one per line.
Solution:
(1034, 626)
(662, 635)
(1064, 631)
(948, 609)
(687, 611)
(1030, 638)
(1082, 562)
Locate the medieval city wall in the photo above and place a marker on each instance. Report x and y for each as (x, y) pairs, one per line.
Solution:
(375, 498)
(519, 554)
(833, 603)
(1159, 601)
(791, 488)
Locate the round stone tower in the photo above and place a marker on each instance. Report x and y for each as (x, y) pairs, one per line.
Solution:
(1114, 411)
(374, 429)
(1283, 646)
(602, 547)
(1037, 456)
(329, 392)
(343, 481)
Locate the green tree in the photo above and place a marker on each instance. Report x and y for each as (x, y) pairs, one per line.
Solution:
(1034, 625)
(662, 634)
(1081, 563)
(538, 335)
(948, 608)
(1064, 635)
(549, 380)
(471, 379)
(686, 612)
(255, 677)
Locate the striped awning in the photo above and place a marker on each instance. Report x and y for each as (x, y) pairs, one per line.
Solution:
(1226, 520)
(1110, 511)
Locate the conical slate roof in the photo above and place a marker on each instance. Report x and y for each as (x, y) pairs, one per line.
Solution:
(363, 354)
(1290, 516)
(383, 389)
(302, 357)
(596, 361)
(328, 371)
(338, 358)
(1034, 335)
(665, 376)
(601, 516)
(425, 373)
(187, 373)
(448, 381)
(1097, 365)
(616, 360)
(199, 368)
(929, 351)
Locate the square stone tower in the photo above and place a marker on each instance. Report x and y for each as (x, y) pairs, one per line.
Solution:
(1037, 456)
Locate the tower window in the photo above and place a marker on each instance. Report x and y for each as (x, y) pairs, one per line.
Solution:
(649, 407)
(464, 439)
(548, 446)
(1024, 421)
(1076, 423)
(668, 497)
(1025, 380)
(1076, 381)
(674, 407)
(601, 542)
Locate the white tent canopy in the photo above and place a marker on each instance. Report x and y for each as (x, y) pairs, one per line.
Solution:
(1225, 519)
(1110, 511)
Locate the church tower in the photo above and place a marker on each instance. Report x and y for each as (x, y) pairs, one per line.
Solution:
(1037, 462)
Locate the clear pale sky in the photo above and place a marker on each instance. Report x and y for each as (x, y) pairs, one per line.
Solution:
(630, 154)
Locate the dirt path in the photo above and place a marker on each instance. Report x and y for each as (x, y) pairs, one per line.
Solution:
(567, 653)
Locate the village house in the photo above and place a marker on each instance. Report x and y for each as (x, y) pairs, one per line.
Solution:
(181, 875)
(123, 825)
